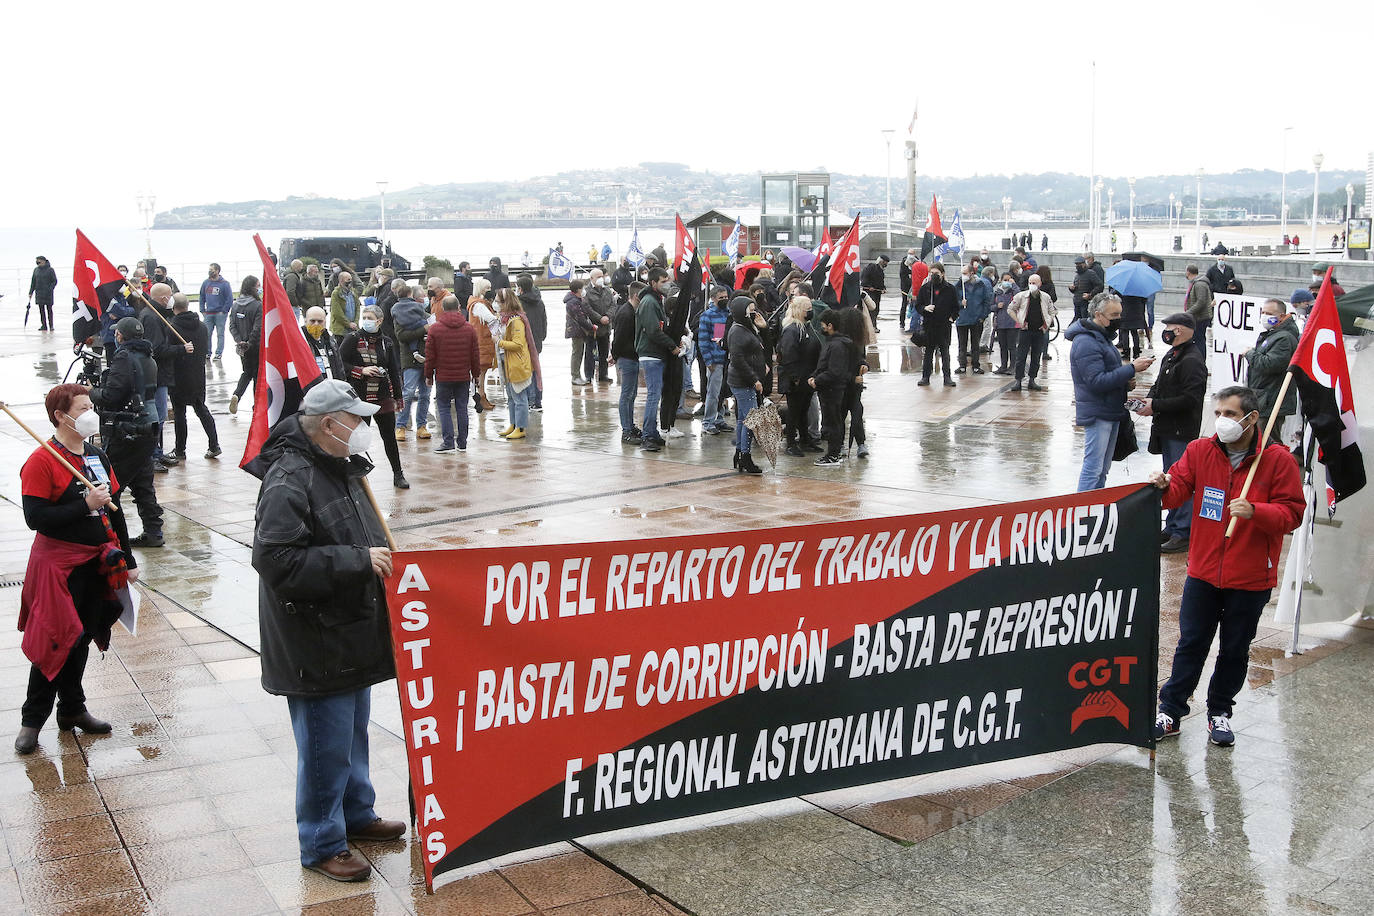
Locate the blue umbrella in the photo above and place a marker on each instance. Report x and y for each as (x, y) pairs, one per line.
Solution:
(1134, 278)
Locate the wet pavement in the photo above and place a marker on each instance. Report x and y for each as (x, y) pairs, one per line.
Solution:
(187, 807)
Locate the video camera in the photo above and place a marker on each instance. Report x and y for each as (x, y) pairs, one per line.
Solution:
(90, 366)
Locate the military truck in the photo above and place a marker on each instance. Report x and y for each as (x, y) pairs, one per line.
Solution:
(360, 252)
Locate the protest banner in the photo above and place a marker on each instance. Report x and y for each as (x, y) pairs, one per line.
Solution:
(1235, 325)
(550, 692)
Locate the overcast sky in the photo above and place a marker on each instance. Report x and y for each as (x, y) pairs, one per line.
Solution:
(202, 102)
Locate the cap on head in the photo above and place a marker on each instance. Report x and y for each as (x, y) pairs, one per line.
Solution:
(334, 396)
(129, 328)
(1080, 260)
(1181, 320)
(1320, 267)
(884, 258)
(1301, 295)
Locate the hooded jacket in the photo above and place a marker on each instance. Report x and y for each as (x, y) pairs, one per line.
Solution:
(748, 363)
(976, 298)
(1269, 360)
(321, 613)
(533, 304)
(42, 283)
(245, 321)
(452, 354)
(408, 322)
(497, 277)
(1100, 378)
(1086, 284)
(710, 347)
(832, 373)
(216, 296)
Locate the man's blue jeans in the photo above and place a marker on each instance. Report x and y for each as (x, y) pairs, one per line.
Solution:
(160, 400)
(627, 371)
(1205, 608)
(1099, 441)
(1179, 522)
(653, 390)
(215, 324)
(451, 397)
(334, 791)
(413, 385)
(715, 376)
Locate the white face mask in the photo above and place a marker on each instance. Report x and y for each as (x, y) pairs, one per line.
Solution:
(600, 281)
(86, 425)
(369, 325)
(1229, 430)
(358, 441)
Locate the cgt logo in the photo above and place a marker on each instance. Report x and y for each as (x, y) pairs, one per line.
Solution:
(1101, 703)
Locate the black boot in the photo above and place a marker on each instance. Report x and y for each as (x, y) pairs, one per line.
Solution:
(84, 721)
(735, 464)
(793, 449)
(747, 465)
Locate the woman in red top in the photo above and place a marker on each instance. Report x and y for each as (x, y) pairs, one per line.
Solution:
(80, 559)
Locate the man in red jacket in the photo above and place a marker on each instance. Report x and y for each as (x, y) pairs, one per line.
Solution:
(1229, 579)
(453, 359)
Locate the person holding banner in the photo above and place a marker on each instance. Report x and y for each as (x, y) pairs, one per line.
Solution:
(1229, 579)
(326, 636)
(80, 558)
(1268, 360)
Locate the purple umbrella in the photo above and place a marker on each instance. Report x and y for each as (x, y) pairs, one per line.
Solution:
(801, 258)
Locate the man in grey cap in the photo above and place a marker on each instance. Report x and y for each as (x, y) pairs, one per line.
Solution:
(322, 615)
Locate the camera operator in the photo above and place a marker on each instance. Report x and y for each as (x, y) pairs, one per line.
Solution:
(129, 423)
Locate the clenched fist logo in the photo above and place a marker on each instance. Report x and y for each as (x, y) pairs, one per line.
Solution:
(1101, 704)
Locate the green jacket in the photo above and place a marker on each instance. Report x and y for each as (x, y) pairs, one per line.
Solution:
(338, 318)
(650, 339)
(1269, 361)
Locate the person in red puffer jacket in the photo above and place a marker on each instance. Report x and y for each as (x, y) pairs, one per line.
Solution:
(1229, 579)
(453, 364)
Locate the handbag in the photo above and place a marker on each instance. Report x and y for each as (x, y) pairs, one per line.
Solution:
(1126, 444)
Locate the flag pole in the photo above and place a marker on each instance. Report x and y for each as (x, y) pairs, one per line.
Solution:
(1259, 450)
(139, 293)
(52, 451)
(1310, 518)
(386, 529)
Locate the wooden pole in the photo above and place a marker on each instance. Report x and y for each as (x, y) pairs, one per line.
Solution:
(139, 293)
(386, 529)
(1259, 451)
(54, 452)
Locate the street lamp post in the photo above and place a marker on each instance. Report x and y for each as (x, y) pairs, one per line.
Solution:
(618, 250)
(887, 136)
(1283, 189)
(1171, 220)
(1006, 216)
(381, 190)
(1130, 182)
(1111, 218)
(1349, 212)
(1316, 180)
(1097, 216)
(147, 204)
(1199, 211)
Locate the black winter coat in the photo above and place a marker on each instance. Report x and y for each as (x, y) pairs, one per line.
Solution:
(41, 285)
(119, 383)
(533, 304)
(188, 369)
(945, 298)
(798, 352)
(832, 368)
(462, 290)
(1176, 396)
(747, 362)
(164, 344)
(623, 333)
(321, 609)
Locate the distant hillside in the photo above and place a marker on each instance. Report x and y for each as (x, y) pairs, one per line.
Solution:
(666, 187)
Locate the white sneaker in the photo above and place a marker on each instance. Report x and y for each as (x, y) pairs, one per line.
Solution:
(673, 433)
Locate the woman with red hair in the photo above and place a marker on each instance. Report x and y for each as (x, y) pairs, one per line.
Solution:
(79, 562)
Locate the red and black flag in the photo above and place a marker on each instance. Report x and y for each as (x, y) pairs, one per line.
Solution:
(97, 282)
(286, 364)
(843, 275)
(1322, 375)
(686, 267)
(934, 236)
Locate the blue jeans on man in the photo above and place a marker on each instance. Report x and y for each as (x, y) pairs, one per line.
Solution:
(160, 400)
(627, 372)
(1205, 609)
(450, 398)
(1099, 442)
(334, 791)
(715, 377)
(1179, 522)
(414, 388)
(216, 323)
(652, 368)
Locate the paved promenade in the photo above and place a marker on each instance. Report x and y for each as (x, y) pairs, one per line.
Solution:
(187, 807)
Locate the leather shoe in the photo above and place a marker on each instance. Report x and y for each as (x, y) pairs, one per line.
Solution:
(380, 830)
(343, 867)
(26, 742)
(86, 722)
(1175, 544)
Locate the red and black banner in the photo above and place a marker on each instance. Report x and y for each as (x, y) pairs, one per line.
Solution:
(934, 236)
(558, 691)
(97, 282)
